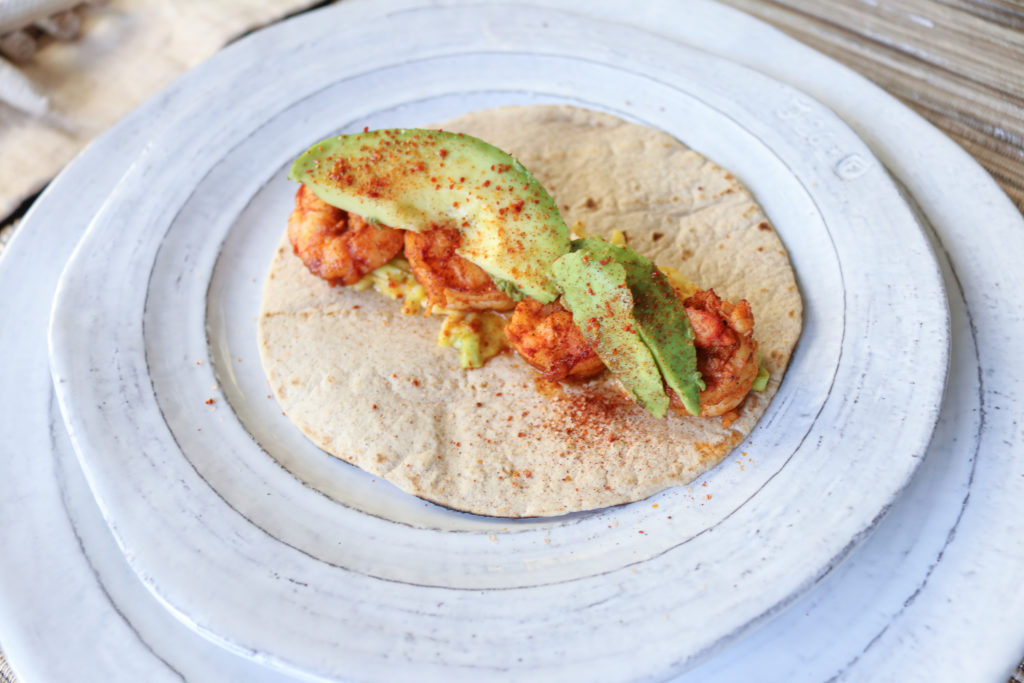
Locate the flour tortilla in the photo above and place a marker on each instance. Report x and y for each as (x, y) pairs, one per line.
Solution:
(372, 387)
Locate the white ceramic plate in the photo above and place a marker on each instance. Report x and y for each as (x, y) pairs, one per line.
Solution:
(931, 595)
(267, 546)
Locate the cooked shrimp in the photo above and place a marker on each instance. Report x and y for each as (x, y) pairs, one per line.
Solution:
(337, 245)
(548, 339)
(451, 281)
(726, 350)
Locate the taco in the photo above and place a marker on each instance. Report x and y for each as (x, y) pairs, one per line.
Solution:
(369, 384)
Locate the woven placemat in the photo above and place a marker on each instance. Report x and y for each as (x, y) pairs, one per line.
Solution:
(6, 675)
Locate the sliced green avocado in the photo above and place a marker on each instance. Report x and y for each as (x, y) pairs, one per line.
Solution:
(661, 319)
(415, 179)
(596, 291)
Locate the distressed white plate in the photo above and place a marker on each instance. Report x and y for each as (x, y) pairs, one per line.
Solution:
(332, 570)
(267, 546)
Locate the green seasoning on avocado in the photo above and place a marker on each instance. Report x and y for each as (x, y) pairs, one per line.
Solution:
(661, 320)
(596, 292)
(413, 179)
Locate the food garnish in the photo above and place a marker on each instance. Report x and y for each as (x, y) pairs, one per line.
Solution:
(480, 237)
(419, 180)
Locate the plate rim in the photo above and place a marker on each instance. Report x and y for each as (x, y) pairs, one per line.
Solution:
(58, 358)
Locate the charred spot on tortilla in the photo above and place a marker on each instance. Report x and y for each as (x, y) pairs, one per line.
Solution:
(584, 443)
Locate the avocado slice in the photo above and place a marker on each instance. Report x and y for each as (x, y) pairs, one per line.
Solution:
(596, 291)
(660, 318)
(414, 179)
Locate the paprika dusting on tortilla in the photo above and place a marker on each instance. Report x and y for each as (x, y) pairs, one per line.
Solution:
(528, 434)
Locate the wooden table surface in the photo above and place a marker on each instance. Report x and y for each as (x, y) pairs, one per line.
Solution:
(959, 63)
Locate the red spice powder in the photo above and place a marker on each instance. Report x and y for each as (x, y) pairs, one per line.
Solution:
(590, 417)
